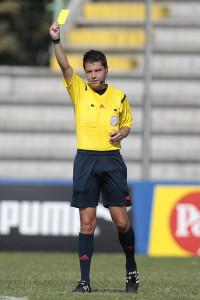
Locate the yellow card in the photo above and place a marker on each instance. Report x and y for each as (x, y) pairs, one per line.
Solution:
(63, 16)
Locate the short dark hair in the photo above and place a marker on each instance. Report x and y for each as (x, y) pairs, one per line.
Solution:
(92, 56)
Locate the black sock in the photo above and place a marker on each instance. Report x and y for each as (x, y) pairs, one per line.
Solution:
(127, 241)
(86, 246)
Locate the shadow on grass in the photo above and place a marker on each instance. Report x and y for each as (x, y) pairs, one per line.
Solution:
(104, 290)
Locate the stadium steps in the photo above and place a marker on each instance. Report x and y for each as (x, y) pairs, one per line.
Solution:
(115, 62)
(171, 65)
(171, 39)
(120, 33)
(166, 13)
(45, 118)
(34, 169)
(122, 10)
(34, 157)
(37, 132)
(121, 39)
(48, 146)
(105, 38)
(40, 86)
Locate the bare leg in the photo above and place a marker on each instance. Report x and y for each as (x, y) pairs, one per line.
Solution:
(120, 218)
(87, 220)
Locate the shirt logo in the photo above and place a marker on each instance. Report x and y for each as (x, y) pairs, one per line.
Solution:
(102, 106)
(114, 120)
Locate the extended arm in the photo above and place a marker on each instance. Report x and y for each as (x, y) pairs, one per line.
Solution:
(59, 52)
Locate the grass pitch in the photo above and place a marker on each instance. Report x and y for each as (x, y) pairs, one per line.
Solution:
(52, 276)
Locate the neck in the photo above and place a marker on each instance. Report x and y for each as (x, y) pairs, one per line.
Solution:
(100, 87)
(101, 91)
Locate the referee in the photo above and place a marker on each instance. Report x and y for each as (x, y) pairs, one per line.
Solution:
(102, 119)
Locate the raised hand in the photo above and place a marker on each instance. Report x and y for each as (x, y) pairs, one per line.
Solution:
(55, 31)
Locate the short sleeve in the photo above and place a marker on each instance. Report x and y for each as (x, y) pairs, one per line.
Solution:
(75, 87)
(126, 118)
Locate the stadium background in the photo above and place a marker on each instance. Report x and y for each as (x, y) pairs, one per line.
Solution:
(156, 61)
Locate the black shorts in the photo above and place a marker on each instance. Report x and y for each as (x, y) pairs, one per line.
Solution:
(98, 172)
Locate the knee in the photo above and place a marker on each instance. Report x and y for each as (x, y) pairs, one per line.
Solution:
(88, 226)
(122, 225)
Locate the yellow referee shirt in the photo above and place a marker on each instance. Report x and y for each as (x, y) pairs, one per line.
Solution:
(96, 116)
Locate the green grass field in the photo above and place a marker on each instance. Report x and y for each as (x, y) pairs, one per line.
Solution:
(51, 276)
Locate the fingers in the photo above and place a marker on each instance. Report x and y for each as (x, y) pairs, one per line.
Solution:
(55, 30)
(116, 136)
(55, 27)
(55, 24)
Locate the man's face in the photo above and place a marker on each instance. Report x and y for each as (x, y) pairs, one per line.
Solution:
(96, 75)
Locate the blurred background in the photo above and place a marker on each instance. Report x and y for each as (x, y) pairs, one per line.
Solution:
(36, 118)
(153, 55)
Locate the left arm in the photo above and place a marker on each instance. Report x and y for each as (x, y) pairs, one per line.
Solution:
(125, 123)
(118, 135)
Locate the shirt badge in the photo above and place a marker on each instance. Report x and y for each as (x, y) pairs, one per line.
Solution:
(114, 120)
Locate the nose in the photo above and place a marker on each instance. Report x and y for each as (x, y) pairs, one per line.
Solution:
(93, 75)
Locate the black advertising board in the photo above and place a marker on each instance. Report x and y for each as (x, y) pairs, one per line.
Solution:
(37, 216)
